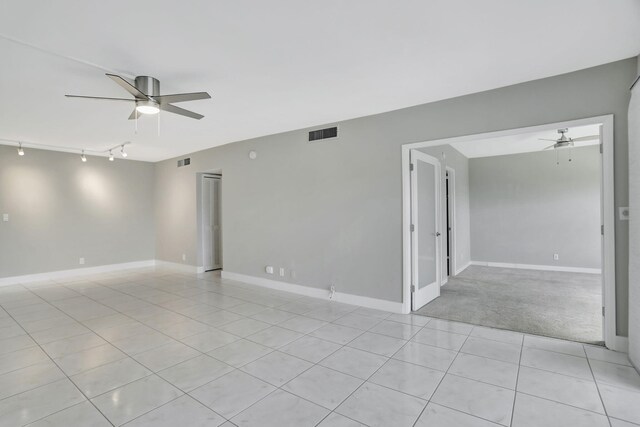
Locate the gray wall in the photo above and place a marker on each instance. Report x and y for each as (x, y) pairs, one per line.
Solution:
(634, 229)
(331, 211)
(525, 208)
(61, 209)
(449, 156)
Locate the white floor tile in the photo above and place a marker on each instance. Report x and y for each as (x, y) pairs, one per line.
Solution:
(232, 393)
(274, 337)
(209, 340)
(193, 373)
(486, 370)
(449, 326)
(483, 400)
(323, 386)
(110, 376)
(508, 337)
(440, 416)
(556, 362)
(281, 409)
(616, 375)
(83, 414)
(240, 352)
(378, 344)
(374, 406)
(337, 420)
(530, 411)
(492, 349)
(426, 355)
(354, 362)
(134, 399)
(310, 349)
(166, 356)
(605, 355)
(28, 378)
(302, 324)
(621, 403)
(183, 411)
(337, 333)
(438, 338)
(38, 403)
(87, 359)
(408, 378)
(276, 368)
(560, 388)
(558, 346)
(395, 329)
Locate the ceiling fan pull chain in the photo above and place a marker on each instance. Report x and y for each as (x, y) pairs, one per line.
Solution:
(158, 123)
(136, 120)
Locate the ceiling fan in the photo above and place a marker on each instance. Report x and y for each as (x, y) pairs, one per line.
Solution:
(147, 98)
(564, 141)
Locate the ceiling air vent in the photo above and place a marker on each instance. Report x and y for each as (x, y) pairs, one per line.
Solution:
(316, 135)
(184, 162)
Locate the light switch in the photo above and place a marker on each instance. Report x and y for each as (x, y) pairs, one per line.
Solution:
(5, 217)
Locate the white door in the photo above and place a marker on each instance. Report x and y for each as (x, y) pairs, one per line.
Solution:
(425, 236)
(212, 248)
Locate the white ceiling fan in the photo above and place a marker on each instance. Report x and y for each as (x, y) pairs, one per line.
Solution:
(565, 141)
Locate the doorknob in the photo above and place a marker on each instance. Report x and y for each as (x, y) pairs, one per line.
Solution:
(437, 234)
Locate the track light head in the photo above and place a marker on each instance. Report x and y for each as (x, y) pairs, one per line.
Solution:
(111, 158)
(20, 150)
(83, 157)
(124, 153)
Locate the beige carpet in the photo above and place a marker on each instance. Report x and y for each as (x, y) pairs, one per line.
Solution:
(555, 304)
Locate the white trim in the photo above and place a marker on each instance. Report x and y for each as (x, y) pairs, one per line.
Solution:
(538, 267)
(65, 274)
(463, 268)
(608, 277)
(378, 304)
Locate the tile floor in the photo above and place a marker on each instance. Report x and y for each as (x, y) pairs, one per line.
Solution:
(154, 347)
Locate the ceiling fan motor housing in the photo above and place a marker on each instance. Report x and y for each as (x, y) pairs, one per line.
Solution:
(148, 85)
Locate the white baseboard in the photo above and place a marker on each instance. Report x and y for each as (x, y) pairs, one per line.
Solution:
(538, 267)
(65, 274)
(619, 343)
(463, 268)
(378, 304)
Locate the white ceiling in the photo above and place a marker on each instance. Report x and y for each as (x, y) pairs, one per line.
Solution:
(278, 65)
(522, 143)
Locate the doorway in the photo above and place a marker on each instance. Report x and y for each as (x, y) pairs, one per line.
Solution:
(607, 315)
(211, 222)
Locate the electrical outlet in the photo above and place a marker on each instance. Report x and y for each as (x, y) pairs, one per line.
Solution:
(281, 271)
(332, 291)
(269, 269)
(556, 257)
(81, 261)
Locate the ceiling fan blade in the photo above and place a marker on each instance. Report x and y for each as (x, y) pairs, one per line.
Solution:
(545, 139)
(181, 97)
(134, 114)
(100, 98)
(586, 138)
(127, 86)
(181, 111)
(551, 146)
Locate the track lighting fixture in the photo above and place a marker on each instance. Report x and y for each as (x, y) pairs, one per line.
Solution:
(83, 157)
(124, 153)
(20, 150)
(111, 158)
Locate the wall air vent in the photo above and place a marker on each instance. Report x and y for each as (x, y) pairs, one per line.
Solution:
(184, 162)
(316, 135)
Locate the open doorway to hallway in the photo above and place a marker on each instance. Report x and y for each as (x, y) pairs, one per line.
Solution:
(522, 244)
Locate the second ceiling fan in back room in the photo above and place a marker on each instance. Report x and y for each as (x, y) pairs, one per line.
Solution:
(565, 141)
(147, 97)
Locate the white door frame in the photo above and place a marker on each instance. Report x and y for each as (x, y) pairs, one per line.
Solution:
(452, 222)
(612, 340)
(426, 294)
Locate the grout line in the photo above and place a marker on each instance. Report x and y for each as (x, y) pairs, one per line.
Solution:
(515, 394)
(604, 408)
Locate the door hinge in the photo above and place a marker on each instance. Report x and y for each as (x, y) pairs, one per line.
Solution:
(413, 288)
(411, 167)
(602, 230)
(413, 228)
(603, 311)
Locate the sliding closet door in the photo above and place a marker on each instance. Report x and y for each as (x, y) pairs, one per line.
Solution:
(212, 238)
